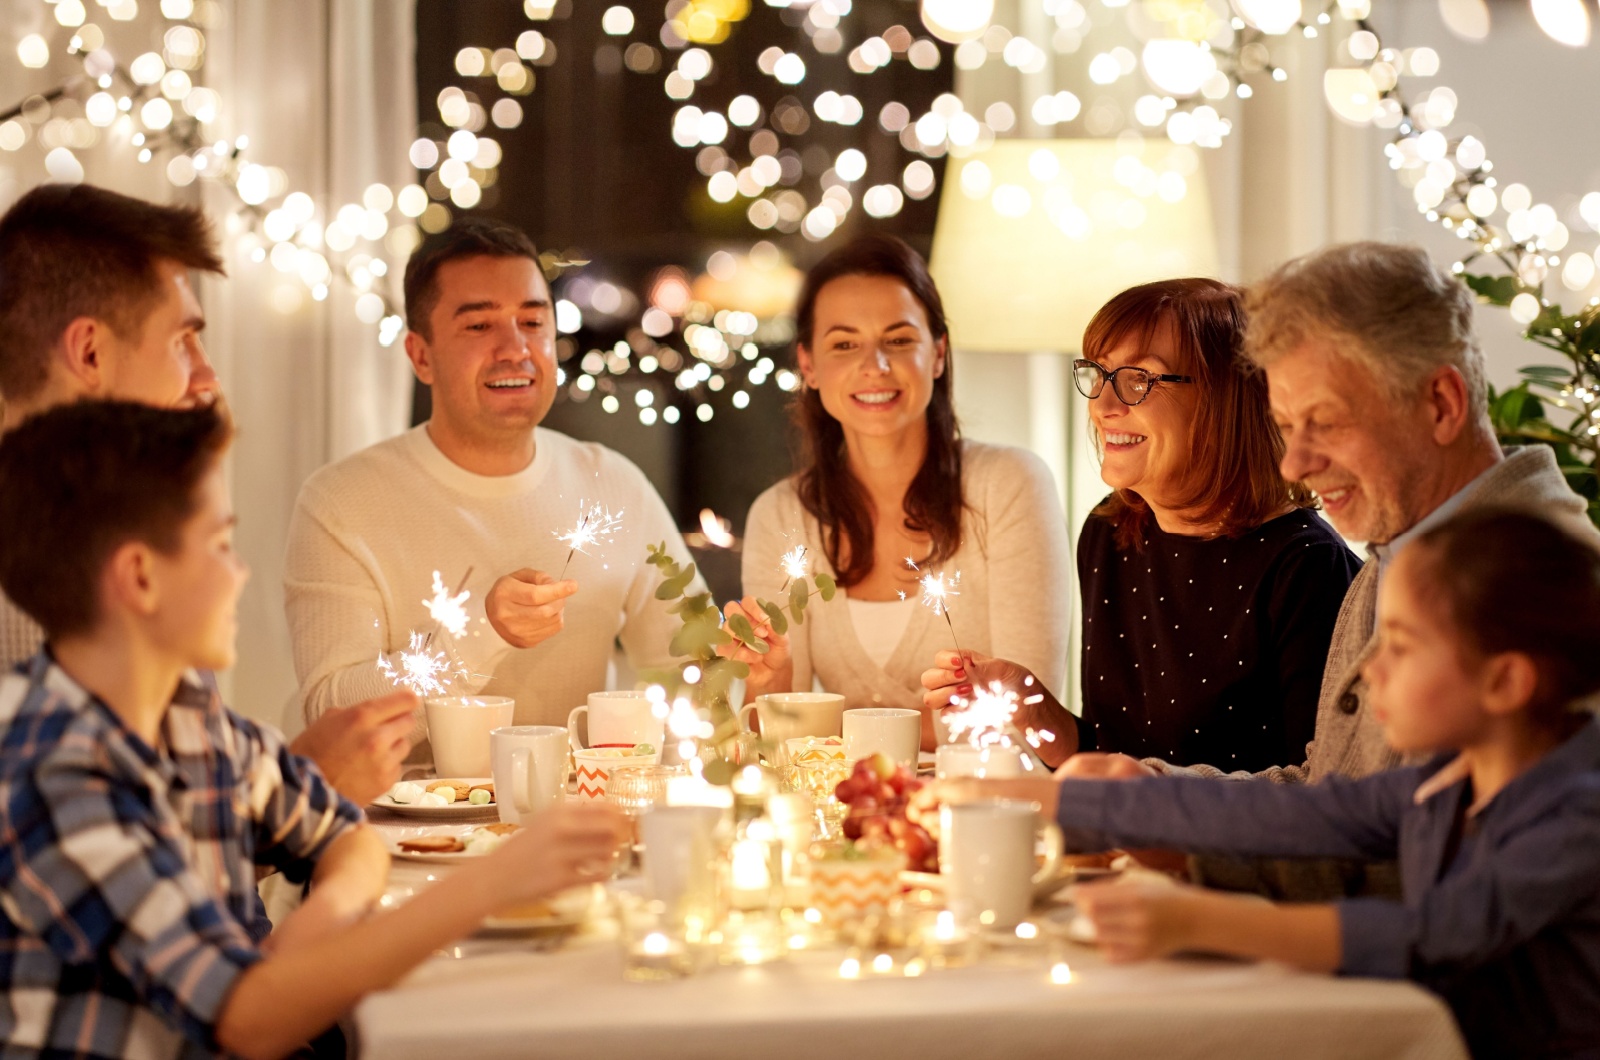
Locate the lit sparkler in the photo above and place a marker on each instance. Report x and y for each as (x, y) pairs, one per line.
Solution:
(427, 673)
(595, 526)
(936, 594)
(988, 719)
(796, 565)
(448, 610)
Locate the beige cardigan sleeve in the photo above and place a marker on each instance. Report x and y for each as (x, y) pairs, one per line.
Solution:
(1027, 564)
(774, 526)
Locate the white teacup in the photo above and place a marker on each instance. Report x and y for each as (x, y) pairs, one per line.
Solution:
(986, 857)
(965, 760)
(530, 769)
(894, 731)
(791, 715)
(593, 768)
(617, 719)
(459, 728)
(679, 852)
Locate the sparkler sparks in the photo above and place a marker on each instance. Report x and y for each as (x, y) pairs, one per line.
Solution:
(985, 719)
(795, 564)
(936, 594)
(448, 611)
(427, 673)
(596, 525)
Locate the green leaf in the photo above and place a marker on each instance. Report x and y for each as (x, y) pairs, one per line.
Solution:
(775, 615)
(1498, 290)
(826, 586)
(798, 594)
(1588, 339)
(718, 771)
(740, 627)
(673, 587)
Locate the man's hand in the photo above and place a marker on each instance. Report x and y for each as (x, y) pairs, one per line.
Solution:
(525, 607)
(772, 672)
(1095, 765)
(1138, 919)
(360, 749)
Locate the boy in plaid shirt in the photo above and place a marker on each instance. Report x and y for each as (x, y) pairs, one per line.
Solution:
(135, 809)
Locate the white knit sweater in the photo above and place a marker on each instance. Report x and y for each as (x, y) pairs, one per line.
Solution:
(369, 531)
(1015, 595)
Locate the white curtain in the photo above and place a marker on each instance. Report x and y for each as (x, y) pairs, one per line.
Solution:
(325, 90)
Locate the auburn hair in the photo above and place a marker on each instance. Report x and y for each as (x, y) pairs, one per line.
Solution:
(1233, 480)
(829, 492)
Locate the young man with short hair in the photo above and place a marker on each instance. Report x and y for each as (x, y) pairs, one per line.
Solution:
(479, 488)
(136, 810)
(96, 302)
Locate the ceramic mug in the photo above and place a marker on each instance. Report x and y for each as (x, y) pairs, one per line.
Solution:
(986, 854)
(791, 715)
(894, 731)
(530, 769)
(595, 766)
(965, 760)
(617, 719)
(459, 728)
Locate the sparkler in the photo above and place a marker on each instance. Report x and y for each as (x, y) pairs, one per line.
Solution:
(988, 719)
(795, 565)
(448, 610)
(427, 673)
(595, 526)
(936, 594)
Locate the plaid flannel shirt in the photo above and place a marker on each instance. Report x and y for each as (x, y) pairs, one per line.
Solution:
(128, 873)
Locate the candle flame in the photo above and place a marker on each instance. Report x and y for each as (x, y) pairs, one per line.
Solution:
(716, 529)
(449, 611)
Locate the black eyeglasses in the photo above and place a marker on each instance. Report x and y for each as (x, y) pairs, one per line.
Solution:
(1131, 385)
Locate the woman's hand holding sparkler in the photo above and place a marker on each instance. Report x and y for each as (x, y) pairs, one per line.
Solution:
(956, 678)
(526, 606)
(769, 672)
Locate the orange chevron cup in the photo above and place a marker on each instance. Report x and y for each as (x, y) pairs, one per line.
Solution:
(594, 767)
(846, 888)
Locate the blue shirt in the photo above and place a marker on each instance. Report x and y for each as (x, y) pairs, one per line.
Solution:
(128, 872)
(1501, 907)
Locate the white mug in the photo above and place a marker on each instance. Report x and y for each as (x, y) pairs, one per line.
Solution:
(895, 731)
(617, 719)
(530, 769)
(965, 760)
(679, 851)
(791, 715)
(458, 729)
(986, 857)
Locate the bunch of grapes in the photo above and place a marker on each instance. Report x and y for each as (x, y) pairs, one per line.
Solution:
(878, 793)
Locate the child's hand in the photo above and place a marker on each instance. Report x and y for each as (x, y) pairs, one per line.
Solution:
(557, 849)
(1135, 920)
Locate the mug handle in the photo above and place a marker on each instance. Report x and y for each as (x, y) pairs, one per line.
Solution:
(522, 779)
(745, 724)
(572, 727)
(1054, 845)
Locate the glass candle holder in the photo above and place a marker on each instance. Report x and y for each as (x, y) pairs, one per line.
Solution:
(656, 947)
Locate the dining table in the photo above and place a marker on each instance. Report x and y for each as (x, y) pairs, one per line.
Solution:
(564, 995)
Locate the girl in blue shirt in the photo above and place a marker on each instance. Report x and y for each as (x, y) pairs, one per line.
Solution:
(1489, 635)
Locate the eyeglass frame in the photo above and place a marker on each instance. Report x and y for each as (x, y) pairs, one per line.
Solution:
(1152, 379)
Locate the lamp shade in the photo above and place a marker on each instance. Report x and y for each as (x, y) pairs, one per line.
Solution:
(1034, 236)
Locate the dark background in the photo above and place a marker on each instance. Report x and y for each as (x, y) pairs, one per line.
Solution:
(593, 173)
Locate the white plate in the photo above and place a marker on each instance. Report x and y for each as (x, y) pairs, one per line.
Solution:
(567, 910)
(438, 813)
(394, 838)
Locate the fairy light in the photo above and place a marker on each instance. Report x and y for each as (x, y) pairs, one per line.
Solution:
(596, 525)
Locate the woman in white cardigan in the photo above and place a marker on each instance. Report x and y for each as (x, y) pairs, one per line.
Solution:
(886, 477)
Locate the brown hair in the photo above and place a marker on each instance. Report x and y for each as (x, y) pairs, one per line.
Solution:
(474, 237)
(829, 491)
(79, 481)
(1233, 479)
(1515, 582)
(1395, 311)
(71, 251)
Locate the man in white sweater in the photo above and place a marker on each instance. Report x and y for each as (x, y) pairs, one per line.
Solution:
(479, 493)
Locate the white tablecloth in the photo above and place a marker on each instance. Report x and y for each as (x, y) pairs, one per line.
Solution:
(502, 999)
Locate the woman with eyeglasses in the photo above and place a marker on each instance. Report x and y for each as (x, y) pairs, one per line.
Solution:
(885, 476)
(1210, 586)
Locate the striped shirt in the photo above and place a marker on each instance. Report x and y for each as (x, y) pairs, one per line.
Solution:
(128, 873)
